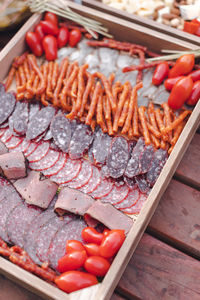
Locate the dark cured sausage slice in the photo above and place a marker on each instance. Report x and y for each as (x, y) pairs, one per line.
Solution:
(70, 231)
(118, 157)
(117, 195)
(135, 209)
(48, 135)
(93, 183)
(103, 189)
(142, 183)
(146, 159)
(83, 177)
(14, 143)
(20, 118)
(80, 141)
(61, 131)
(46, 162)
(40, 122)
(130, 182)
(2, 89)
(57, 167)
(130, 200)
(39, 153)
(7, 105)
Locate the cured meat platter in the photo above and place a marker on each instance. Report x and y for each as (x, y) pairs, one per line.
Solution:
(40, 151)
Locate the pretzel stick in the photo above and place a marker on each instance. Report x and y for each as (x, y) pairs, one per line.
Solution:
(60, 82)
(73, 92)
(81, 86)
(45, 69)
(99, 116)
(22, 87)
(86, 93)
(176, 122)
(93, 103)
(160, 124)
(155, 132)
(142, 117)
(10, 78)
(49, 80)
(33, 62)
(167, 115)
(106, 107)
(155, 141)
(55, 75)
(111, 78)
(177, 132)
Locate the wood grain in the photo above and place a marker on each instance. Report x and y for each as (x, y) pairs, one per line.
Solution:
(158, 271)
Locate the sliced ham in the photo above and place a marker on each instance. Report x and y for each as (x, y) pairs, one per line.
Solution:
(36, 189)
(13, 165)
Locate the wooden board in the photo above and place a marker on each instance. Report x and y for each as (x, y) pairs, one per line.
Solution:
(154, 40)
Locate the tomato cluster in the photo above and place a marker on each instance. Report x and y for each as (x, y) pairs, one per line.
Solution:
(82, 264)
(192, 27)
(48, 37)
(183, 83)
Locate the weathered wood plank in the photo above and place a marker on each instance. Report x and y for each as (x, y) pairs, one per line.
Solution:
(188, 170)
(158, 271)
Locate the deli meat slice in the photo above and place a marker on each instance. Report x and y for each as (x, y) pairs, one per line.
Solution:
(118, 157)
(13, 165)
(40, 122)
(103, 189)
(14, 143)
(117, 195)
(73, 201)
(46, 162)
(93, 183)
(36, 190)
(83, 177)
(54, 170)
(136, 208)
(130, 200)
(3, 148)
(41, 150)
(110, 216)
(7, 105)
(6, 136)
(61, 131)
(80, 141)
(146, 159)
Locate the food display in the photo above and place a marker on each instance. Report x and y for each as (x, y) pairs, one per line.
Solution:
(85, 131)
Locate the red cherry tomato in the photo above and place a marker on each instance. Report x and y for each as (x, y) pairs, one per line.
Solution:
(180, 92)
(34, 43)
(74, 37)
(190, 27)
(90, 235)
(92, 249)
(195, 75)
(49, 44)
(72, 261)
(63, 37)
(72, 281)
(112, 242)
(183, 66)
(170, 82)
(97, 265)
(195, 94)
(106, 231)
(160, 73)
(49, 28)
(73, 245)
(51, 17)
(39, 32)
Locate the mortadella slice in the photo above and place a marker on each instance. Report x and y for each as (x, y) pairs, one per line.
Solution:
(36, 189)
(13, 165)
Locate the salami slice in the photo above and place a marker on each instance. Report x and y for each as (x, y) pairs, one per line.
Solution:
(83, 177)
(61, 131)
(40, 152)
(2, 131)
(33, 109)
(7, 136)
(30, 149)
(142, 183)
(7, 105)
(24, 146)
(117, 194)
(54, 170)
(19, 221)
(46, 162)
(4, 125)
(135, 209)
(14, 143)
(131, 199)
(130, 182)
(5, 189)
(68, 173)
(20, 118)
(146, 159)
(48, 135)
(133, 167)
(40, 122)
(103, 189)
(2, 89)
(70, 231)
(93, 183)
(80, 141)
(118, 157)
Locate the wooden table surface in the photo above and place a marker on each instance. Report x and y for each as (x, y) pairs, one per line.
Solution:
(166, 262)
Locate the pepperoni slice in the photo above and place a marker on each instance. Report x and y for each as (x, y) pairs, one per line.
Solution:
(30, 149)
(130, 200)
(117, 194)
(93, 183)
(54, 170)
(39, 152)
(14, 143)
(25, 145)
(83, 177)
(135, 209)
(46, 162)
(103, 189)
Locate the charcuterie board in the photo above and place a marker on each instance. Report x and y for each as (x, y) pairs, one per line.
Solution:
(154, 41)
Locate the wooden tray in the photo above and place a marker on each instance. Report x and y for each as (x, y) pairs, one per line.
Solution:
(97, 4)
(155, 41)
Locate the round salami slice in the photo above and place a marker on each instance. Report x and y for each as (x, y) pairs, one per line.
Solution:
(7, 105)
(103, 189)
(93, 183)
(117, 195)
(130, 200)
(68, 173)
(46, 162)
(135, 209)
(70, 231)
(40, 122)
(19, 221)
(39, 152)
(30, 149)
(142, 183)
(57, 167)
(24, 146)
(83, 177)
(130, 182)
(7, 136)
(61, 131)
(14, 143)
(2, 131)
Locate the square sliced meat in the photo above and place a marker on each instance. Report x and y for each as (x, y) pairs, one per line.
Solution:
(13, 165)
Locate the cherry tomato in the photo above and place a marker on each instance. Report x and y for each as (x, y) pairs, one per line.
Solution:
(97, 265)
(195, 94)
(92, 249)
(106, 231)
(160, 73)
(90, 235)
(49, 44)
(73, 245)
(51, 17)
(183, 66)
(34, 43)
(74, 37)
(180, 92)
(49, 28)
(195, 75)
(71, 261)
(39, 32)
(112, 242)
(72, 281)
(190, 27)
(63, 37)
(170, 82)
